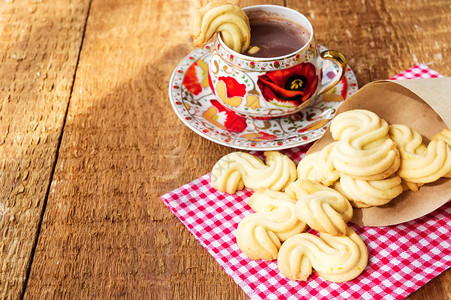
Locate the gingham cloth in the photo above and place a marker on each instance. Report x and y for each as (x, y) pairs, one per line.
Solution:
(402, 258)
(417, 71)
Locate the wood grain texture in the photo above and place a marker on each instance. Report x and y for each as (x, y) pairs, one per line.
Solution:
(105, 233)
(39, 47)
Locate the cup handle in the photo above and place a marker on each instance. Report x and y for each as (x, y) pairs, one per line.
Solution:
(341, 61)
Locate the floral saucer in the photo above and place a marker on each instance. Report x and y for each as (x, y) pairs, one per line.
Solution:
(195, 104)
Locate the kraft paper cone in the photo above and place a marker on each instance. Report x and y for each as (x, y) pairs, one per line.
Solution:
(422, 104)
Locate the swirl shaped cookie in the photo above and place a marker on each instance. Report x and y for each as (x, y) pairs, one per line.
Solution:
(336, 259)
(352, 121)
(364, 150)
(322, 208)
(407, 139)
(420, 164)
(363, 193)
(318, 166)
(259, 235)
(228, 19)
(412, 142)
(239, 169)
(444, 135)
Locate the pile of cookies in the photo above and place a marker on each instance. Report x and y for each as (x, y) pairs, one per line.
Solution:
(369, 163)
(372, 162)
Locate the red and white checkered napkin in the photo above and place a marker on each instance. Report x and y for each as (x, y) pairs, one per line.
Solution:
(417, 72)
(402, 258)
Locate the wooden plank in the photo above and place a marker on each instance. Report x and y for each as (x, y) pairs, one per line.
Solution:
(39, 47)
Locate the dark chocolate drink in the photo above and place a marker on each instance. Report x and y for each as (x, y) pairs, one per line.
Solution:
(276, 37)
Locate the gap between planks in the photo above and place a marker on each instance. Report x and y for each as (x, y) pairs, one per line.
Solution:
(55, 159)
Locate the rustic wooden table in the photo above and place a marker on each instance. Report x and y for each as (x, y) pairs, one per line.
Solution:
(89, 141)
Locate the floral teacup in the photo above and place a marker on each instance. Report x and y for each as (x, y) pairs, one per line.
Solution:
(276, 86)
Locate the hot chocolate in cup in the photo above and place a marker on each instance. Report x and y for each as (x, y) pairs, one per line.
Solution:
(280, 79)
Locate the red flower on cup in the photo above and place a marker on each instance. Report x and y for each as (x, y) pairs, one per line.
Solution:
(289, 86)
(234, 88)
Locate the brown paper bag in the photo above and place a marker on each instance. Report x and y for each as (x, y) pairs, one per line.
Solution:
(422, 104)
